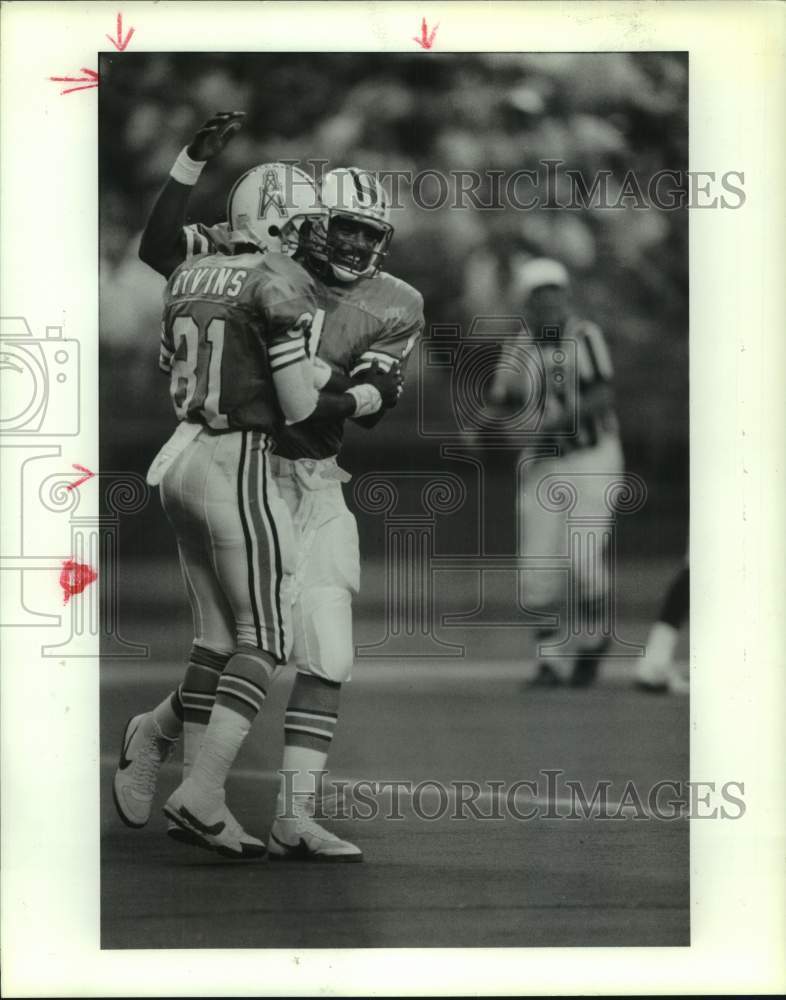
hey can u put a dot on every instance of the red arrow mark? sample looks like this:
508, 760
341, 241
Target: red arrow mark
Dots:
426, 39
74, 577
118, 42
90, 80
84, 479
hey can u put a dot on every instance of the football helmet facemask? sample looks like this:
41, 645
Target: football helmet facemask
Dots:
270, 203
353, 237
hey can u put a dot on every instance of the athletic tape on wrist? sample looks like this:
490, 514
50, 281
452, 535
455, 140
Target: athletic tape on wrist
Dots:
367, 399
185, 170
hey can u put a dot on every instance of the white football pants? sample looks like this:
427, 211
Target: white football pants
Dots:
327, 573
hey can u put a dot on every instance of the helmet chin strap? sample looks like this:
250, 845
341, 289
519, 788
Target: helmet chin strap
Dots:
343, 274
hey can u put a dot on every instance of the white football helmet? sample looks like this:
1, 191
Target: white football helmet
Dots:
354, 237
270, 203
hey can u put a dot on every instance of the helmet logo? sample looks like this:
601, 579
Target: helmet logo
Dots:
271, 196
367, 192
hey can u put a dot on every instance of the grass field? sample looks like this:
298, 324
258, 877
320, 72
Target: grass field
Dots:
443, 883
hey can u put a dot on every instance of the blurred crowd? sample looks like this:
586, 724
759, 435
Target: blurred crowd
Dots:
505, 112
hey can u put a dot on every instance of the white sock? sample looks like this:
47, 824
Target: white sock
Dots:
661, 643
220, 745
299, 787
302, 760
193, 735
168, 722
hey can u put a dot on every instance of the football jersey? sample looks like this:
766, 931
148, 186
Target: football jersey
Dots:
198, 239
371, 319
572, 366
356, 323
594, 368
229, 321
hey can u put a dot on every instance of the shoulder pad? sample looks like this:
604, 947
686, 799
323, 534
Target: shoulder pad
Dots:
279, 273
400, 296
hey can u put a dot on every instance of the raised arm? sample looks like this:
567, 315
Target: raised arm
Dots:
163, 246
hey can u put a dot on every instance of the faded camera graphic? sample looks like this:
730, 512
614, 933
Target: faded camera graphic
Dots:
504, 383
40, 380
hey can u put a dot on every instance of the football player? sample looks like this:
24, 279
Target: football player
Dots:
367, 324
233, 343
542, 286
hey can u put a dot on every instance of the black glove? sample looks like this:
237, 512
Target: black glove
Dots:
388, 384
217, 131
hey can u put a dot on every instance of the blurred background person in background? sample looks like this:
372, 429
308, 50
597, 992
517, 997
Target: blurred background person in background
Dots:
657, 671
577, 435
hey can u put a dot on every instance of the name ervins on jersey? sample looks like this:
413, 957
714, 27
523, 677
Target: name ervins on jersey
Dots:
226, 281
209, 281
221, 316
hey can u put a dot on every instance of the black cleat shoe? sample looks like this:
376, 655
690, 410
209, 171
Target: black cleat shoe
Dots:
585, 673
585, 668
546, 677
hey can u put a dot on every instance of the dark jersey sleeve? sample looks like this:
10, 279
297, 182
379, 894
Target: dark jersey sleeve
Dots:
199, 239
166, 241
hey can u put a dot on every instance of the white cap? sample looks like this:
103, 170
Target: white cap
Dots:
538, 272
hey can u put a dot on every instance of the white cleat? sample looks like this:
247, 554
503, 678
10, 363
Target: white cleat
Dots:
142, 752
298, 837
208, 823
678, 684
660, 677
